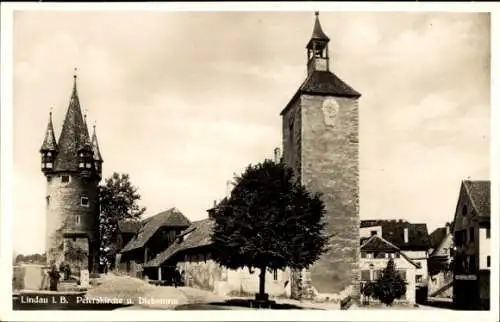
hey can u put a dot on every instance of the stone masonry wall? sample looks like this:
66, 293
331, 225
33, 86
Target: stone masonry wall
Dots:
292, 123
292, 136
63, 205
330, 165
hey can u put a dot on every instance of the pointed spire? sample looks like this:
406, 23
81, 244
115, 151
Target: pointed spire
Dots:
74, 94
74, 134
49, 142
95, 147
318, 33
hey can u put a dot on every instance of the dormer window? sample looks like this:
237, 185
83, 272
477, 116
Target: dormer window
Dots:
464, 211
49, 165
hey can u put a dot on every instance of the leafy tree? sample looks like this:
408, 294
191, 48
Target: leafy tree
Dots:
390, 285
269, 222
31, 258
118, 201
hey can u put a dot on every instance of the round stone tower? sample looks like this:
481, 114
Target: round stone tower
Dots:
72, 167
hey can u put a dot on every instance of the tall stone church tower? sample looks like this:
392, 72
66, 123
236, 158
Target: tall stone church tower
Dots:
320, 143
72, 167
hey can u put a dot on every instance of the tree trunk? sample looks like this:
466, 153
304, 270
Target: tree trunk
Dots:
262, 281
262, 296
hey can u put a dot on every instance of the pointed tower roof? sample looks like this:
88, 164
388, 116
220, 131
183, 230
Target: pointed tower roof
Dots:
322, 82
74, 135
318, 33
49, 143
95, 147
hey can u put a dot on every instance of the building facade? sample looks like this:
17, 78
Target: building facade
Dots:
471, 236
440, 263
320, 143
191, 255
154, 235
375, 255
412, 239
72, 167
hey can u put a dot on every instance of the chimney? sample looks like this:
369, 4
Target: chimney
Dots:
277, 155
406, 235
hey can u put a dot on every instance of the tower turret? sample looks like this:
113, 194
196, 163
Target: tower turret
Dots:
49, 148
317, 49
96, 154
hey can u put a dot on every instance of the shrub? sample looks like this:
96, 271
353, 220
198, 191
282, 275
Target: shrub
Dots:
390, 285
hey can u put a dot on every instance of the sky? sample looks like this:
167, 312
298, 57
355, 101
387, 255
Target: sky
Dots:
183, 100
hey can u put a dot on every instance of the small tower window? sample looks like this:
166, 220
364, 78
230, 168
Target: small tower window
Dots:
65, 179
84, 202
81, 165
49, 165
77, 220
464, 211
49, 154
48, 200
88, 165
275, 274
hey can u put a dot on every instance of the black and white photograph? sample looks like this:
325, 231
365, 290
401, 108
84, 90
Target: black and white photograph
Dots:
264, 161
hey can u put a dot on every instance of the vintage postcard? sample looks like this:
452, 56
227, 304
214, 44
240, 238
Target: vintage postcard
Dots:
284, 162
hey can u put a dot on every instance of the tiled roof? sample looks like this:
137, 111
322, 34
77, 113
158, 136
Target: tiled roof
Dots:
129, 226
437, 236
318, 33
74, 135
479, 192
169, 218
197, 235
323, 83
49, 142
376, 243
326, 82
393, 231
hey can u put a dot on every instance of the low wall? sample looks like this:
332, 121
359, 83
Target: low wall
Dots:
29, 277
208, 275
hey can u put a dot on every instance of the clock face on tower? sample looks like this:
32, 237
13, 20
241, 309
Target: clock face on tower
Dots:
330, 110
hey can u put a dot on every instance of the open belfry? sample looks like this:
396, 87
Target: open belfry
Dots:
72, 167
320, 143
